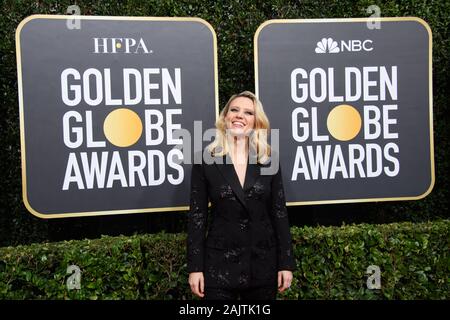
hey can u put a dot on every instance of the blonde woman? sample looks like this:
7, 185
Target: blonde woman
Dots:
244, 250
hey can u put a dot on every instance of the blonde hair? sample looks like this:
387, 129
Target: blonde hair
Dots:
257, 139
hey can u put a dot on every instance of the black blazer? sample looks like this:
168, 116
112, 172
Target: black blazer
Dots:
247, 240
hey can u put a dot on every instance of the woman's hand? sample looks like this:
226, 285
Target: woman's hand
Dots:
197, 283
284, 280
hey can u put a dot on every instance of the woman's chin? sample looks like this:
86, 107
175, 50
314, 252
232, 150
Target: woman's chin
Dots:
237, 132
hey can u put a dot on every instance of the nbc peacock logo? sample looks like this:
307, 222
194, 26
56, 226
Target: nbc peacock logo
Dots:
327, 45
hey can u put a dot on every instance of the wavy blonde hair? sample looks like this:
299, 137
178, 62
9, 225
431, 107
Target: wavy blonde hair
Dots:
258, 137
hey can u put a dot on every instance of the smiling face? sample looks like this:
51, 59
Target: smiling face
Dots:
240, 118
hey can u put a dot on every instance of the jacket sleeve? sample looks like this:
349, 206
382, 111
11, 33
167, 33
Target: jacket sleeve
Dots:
197, 218
280, 222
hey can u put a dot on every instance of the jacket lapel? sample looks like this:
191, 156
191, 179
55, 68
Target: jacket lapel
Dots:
252, 173
229, 173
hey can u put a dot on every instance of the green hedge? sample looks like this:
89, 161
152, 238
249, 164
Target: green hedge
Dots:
331, 261
235, 23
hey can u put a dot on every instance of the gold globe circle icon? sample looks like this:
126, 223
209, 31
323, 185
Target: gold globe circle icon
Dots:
344, 122
122, 127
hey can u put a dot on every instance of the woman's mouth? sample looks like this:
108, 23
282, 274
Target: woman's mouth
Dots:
238, 124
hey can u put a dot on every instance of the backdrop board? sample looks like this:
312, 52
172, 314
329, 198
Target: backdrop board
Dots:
100, 100
352, 99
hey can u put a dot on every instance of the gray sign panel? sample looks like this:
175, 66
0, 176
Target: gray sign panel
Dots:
353, 103
100, 99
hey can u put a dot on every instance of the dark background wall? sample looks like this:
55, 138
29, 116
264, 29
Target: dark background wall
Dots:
235, 23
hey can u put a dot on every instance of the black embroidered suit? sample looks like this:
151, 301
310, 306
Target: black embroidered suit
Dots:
247, 239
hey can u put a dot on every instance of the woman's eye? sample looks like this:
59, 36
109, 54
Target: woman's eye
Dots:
249, 113
234, 109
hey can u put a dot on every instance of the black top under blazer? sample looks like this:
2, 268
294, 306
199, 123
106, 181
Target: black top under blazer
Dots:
247, 239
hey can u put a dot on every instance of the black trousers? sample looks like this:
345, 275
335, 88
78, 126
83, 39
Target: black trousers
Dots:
256, 293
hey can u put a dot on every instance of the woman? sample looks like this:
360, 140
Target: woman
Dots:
245, 251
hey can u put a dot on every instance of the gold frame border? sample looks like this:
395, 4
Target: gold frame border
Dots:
21, 112
430, 93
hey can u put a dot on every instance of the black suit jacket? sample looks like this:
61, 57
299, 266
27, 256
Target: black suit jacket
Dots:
247, 239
